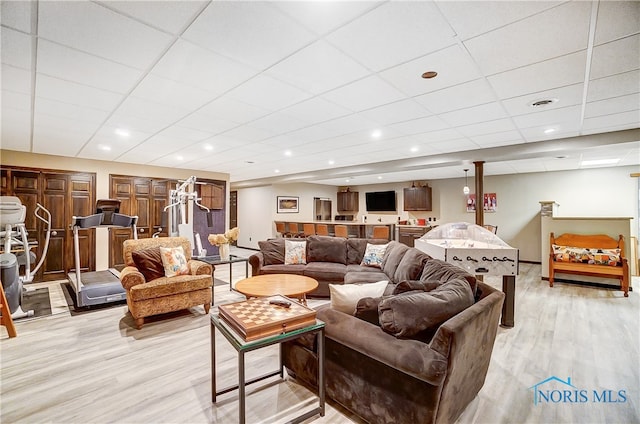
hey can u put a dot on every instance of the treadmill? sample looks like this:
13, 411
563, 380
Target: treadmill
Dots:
99, 287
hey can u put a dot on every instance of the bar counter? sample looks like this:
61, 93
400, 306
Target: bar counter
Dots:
356, 229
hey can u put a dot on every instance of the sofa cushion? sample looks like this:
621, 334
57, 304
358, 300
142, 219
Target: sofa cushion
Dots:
325, 271
174, 261
344, 298
392, 259
412, 285
367, 309
439, 270
327, 249
411, 265
168, 286
149, 263
374, 255
371, 276
410, 313
283, 269
295, 252
356, 248
272, 251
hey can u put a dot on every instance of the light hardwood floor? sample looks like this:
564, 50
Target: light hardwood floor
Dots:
96, 368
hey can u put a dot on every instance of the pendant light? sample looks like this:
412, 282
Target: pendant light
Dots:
465, 189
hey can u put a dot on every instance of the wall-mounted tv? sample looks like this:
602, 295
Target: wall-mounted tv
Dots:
381, 201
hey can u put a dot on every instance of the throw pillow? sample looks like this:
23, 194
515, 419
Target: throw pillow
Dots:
272, 251
410, 285
374, 255
345, 297
367, 309
295, 252
149, 263
411, 313
174, 261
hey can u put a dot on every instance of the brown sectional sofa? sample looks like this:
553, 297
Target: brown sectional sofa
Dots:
376, 364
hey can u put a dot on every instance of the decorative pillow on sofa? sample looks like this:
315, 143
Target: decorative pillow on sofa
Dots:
374, 255
295, 252
272, 251
149, 263
411, 313
439, 270
367, 309
345, 297
174, 261
411, 285
586, 255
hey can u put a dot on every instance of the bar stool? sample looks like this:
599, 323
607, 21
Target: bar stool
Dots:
322, 229
492, 228
281, 230
308, 230
381, 232
294, 230
341, 231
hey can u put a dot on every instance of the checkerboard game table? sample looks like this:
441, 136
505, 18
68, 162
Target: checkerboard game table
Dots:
251, 313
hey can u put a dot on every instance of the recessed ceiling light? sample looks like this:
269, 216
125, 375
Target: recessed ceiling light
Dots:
542, 102
104, 147
122, 132
180, 157
595, 162
376, 134
288, 153
379, 177
414, 149
208, 147
429, 74
276, 171
347, 180
331, 162
549, 130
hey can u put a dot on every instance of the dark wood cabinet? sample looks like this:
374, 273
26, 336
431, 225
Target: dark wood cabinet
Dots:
212, 195
65, 194
348, 201
408, 235
417, 198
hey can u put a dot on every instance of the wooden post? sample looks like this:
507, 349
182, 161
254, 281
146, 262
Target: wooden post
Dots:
479, 178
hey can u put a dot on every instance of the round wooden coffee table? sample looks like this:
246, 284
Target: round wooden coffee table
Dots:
290, 285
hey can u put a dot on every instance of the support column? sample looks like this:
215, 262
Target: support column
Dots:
479, 179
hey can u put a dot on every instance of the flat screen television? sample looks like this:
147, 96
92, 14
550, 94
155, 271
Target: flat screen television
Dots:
381, 201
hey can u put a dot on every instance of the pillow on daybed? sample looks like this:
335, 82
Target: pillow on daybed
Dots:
344, 297
411, 313
587, 255
149, 263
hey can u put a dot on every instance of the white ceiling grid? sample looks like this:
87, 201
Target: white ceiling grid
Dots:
230, 86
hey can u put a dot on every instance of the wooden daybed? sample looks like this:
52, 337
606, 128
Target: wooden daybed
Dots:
593, 255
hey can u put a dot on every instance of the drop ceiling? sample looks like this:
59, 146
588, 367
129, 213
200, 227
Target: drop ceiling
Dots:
324, 91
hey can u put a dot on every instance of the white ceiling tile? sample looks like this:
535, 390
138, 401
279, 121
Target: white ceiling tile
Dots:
604, 107
15, 100
560, 164
145, 109
558, 72
393, 33
475, 114
56, 142
183, 136
452, 64
16, 129
133, 123
538, 133
487, 127
533, 39
616, 57
268, 93
77, 94
254, 33
94, 29
550, 118
324, 16
317, 68
248, 134
471, 18
316, 110
346, 125
229, 109
17, 14
278, 122
69, 111
420, 125
614, 86
15, 48
616, 19
171, 16
460, 96
404, 110
98, 149
458, 145
567, 96
192, 65
16, 79
69, 64
108, 136
630, 119
169, 92
364, 94
504, 138
433, 136
202, 122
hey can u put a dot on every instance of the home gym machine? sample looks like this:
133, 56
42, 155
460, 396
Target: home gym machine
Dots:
17, 250
99, 287
176, 211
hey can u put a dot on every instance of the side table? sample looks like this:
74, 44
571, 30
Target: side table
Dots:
217, 260
243, 347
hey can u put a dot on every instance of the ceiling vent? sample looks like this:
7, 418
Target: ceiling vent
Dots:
542, 102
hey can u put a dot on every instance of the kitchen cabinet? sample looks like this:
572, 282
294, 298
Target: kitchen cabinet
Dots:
348, 201
417, 198
408, 235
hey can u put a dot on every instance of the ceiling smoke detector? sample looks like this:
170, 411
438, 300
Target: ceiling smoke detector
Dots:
542, 102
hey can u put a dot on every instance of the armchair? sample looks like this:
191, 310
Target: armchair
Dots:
164, 294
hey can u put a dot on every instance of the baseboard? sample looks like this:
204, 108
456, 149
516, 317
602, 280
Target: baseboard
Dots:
248, 248
586, 283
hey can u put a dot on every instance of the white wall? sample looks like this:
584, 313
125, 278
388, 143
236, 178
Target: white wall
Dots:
600, 192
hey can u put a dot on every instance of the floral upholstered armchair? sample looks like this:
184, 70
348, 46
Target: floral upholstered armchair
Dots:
161, 277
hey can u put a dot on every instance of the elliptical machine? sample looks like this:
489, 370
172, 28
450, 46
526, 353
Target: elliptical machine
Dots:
16, 250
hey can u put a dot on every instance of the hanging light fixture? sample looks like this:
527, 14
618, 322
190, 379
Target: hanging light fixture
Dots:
465, 189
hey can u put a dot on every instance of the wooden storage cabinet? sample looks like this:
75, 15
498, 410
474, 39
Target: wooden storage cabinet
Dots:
348, 201
417, 198
408, 235
212, 195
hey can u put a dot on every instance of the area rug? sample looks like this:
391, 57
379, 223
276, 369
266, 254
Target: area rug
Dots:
37, 300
